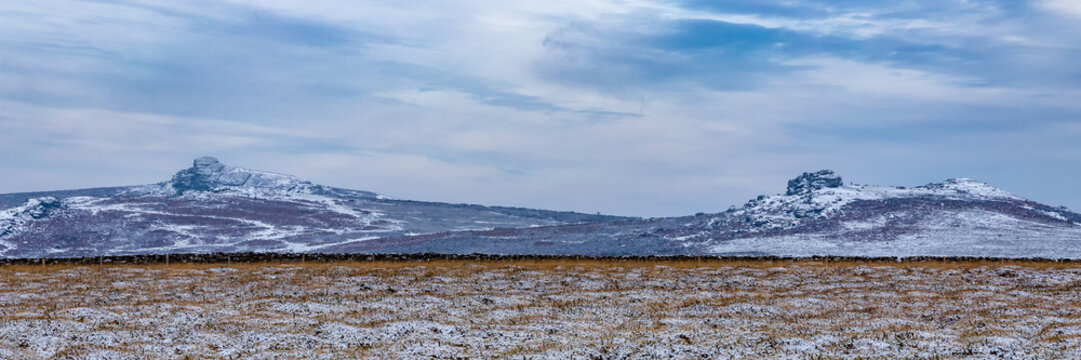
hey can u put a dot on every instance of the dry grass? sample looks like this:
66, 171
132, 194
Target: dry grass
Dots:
543, 309
563, 263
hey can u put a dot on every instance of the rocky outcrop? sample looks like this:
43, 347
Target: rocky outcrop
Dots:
813, 181
36, 208
42, 207
205, 174
208, 174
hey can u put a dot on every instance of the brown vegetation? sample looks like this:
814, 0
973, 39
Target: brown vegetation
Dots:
555, 308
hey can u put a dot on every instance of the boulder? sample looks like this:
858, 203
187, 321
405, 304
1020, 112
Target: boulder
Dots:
207, 174
813, 181
203, 175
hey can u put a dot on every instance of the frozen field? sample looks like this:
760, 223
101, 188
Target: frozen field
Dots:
547, 309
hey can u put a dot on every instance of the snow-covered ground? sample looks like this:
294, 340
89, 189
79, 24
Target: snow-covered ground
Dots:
957, 233
781, 211
552, 309
212, 207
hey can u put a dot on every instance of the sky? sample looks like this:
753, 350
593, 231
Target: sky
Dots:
638, 107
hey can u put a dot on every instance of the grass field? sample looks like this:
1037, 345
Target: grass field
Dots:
543, 309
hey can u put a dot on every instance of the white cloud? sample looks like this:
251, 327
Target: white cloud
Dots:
1063, 7
443, 101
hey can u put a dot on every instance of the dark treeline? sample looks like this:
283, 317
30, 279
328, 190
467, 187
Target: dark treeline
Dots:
252, 257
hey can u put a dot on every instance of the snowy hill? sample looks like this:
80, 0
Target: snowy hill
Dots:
961, 217
212, 207
817, 215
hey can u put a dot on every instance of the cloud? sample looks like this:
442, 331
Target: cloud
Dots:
642, 107
1063, 7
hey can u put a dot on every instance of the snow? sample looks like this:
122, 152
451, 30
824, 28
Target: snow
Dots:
1054, 215
964, 233
9, 214
971, 188
208, 178
95, 205
195, 238
779, 212
872, 223
483, 310
295, 247
6, 246
831, 200
11, 220
248, 210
